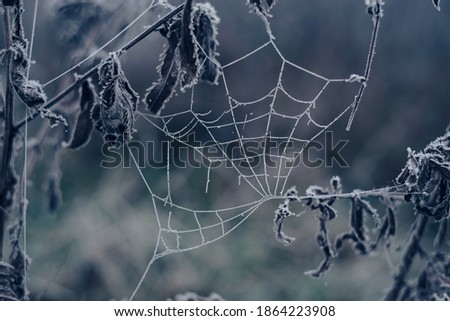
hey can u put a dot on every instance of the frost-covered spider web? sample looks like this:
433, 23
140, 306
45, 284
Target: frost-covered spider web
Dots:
214, 155
236, 137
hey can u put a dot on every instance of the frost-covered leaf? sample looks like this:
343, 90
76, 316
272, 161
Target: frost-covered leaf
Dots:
198, 43
114, 112
437, 3
54, 119
162, 91
324, 244
280, 215
375, 7
29, 91
189, 55
189, 65
205, 29
84, 124
426, 177
261, 7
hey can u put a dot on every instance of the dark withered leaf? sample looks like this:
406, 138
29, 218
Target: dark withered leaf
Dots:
324, 245
198, 44
369, 209
392, 222
189, 55
336, 185
84, 124
437, 5
356, 219
54, 118
357, 235
114, 113
426, 178
162, 91
19, 260
257, 4
280, 215
189, 64
375, 8
29, 91
205, 29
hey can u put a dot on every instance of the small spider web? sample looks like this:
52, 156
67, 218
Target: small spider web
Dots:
240, 138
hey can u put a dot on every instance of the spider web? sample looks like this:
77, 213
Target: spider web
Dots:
250, 138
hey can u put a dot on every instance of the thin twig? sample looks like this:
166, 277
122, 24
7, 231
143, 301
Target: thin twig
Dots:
94, 69
370, 56
8, 138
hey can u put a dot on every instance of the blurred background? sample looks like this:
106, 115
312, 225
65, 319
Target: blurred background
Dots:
97, 243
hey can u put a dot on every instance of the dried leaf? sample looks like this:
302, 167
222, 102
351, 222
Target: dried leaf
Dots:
84, 124
436, 3
189, 55
426, 177
189, 65
29, 91
114, 113
259, 7
19, 260
324, 244
356, 219
280, 215
162, 91
205, 30
392, 222
374, 7
54, 118
197, 48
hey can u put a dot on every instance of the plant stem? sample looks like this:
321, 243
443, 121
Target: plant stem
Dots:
8, 138
369, 62
412, 249
94, 69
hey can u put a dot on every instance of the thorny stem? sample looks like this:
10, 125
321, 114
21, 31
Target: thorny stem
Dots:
94, 69
8, 138
412, 249
370, 56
